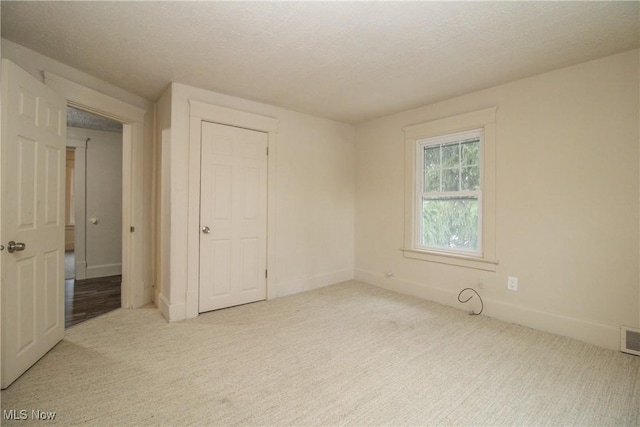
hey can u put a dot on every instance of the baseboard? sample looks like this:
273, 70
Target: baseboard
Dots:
145, 298
584, 330
163, 306
103, 270
313, 282
171, 312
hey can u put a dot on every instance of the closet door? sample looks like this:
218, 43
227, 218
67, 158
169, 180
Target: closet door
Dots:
233, 216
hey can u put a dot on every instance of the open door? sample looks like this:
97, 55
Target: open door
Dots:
32, 220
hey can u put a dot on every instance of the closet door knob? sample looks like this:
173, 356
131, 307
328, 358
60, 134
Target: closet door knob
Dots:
206, 230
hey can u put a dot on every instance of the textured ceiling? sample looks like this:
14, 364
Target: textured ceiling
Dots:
82, 119
349, 61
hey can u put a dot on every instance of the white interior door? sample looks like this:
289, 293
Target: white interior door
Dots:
233, 216
33, 174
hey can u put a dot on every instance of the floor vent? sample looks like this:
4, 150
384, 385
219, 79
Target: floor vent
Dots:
630, 340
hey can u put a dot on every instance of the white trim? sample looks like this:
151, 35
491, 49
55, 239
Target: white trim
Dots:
93, 101
462, 260
421, 193
171, 312
104, 270
231, 117
453, 124
307, 284
200, 111
76, 143
134, 292
599, 334
163, 214
478, 120
163, 306
80, 186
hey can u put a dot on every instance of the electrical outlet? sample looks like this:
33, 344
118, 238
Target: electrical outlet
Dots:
512, 283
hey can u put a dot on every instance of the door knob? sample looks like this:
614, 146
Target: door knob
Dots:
13, 246
206, 230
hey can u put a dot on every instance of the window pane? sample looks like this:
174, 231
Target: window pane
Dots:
470, 153
432, 157
432, 180
450, 223
470, 178
450, 180
451, 155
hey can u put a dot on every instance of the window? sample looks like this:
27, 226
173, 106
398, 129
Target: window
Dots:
449, 196
450, 190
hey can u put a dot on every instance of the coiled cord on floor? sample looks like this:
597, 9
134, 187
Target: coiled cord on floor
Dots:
473, 313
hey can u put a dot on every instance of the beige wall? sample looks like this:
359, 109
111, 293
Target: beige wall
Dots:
315, 197
103, 201
316, 203
566, 208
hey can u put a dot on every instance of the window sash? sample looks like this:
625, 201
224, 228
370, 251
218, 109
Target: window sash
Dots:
419, 221
421, 195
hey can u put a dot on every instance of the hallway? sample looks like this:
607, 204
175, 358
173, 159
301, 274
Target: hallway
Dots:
86, 299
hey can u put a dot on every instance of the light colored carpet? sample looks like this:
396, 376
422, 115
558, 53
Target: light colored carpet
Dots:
348, 354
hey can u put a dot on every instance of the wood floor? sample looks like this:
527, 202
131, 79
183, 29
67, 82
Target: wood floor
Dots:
86, 299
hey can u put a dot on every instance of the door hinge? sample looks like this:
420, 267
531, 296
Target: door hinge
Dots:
267, 151
266, 273
132, 229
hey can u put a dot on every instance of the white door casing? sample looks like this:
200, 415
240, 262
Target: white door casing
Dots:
79, 206
33, 156
173, 305
136, 289
233, 213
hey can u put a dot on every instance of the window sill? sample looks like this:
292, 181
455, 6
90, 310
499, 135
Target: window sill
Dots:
452, 259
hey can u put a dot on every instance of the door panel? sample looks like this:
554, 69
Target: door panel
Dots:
222, 191
249, 264
33, 148
26, 180
53, 178
221, 271
52, 265
233, 205
26, 282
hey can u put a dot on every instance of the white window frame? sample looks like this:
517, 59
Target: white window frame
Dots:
420, 193
415, 136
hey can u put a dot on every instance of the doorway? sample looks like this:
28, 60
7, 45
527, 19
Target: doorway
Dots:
93, 216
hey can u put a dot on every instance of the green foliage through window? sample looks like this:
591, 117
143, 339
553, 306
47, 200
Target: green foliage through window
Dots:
450, 223
451, 192
452, 167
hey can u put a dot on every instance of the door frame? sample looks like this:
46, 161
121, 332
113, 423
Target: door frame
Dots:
134, 293
79, 204
199, 112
